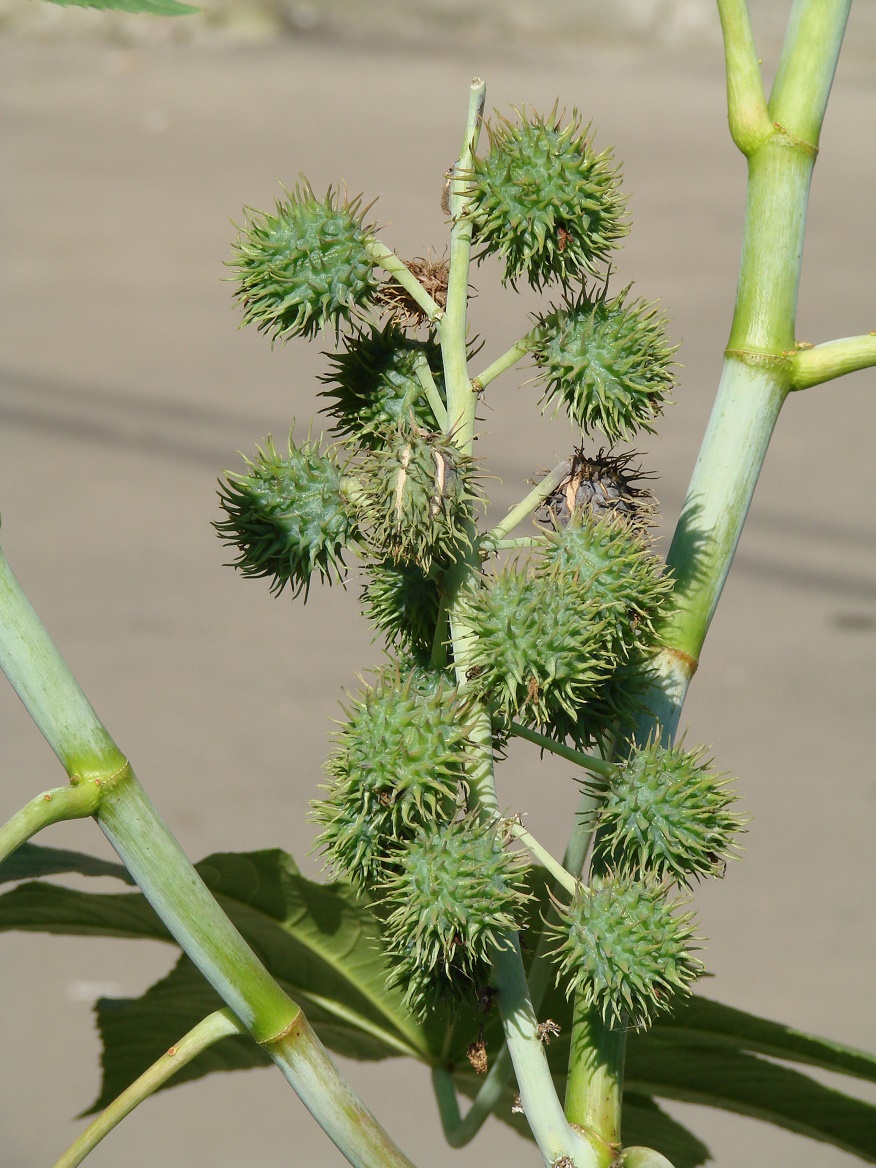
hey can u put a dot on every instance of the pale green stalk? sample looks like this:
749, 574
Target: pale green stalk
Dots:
544, 857
761, 353
594, 1089
73, 802
521, 543
218, 1025
530, 502
461, 398
781, 147
590, 762
173, 887
746, 104
502, 364
401, 273
430, 389
814, 366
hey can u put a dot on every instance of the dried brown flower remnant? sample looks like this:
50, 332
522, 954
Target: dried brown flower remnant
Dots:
477, 1056
605, 485
547, 1030
433, 274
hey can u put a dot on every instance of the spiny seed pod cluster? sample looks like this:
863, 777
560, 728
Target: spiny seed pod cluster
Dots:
307, 267
398, 766
625, 949
416, 494
545, 201
666, 812
288, 516
454, 894
373, 383
608, 362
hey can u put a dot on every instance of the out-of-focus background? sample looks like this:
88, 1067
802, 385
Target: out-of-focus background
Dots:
129, 145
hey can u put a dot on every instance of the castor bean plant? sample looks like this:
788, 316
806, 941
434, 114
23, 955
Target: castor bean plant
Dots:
554, 992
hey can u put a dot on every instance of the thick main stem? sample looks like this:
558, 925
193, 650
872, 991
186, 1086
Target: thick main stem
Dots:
173, 887
594, 1089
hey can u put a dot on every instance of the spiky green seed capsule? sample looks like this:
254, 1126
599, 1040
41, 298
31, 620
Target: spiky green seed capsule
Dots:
545, 201
608, 362
306, 267
617, 701
621, 946
455, 892
398, 765
541, 644
374, 385
288, 516
617, 568
666, 812
401, 601
416, 495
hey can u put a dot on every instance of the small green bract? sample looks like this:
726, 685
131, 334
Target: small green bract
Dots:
288, 516
398, 765
621, 947
666, 812
545, 201
455, 892
608, 362
374, 384
305, 268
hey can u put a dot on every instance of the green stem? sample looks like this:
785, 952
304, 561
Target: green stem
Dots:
588, 761
555, 1138
403, 276
461, 399
833, 359
759, 366
746, 105
43, 681
531, 502
174, 888
807, 67
502, 364
594, 1090
430, 389
218, 1025
73, 802
556, 869
489, 546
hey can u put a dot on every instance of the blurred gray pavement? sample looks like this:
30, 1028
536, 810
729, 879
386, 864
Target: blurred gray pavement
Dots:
126, 388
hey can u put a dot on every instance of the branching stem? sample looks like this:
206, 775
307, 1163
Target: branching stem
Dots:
218, 1025
746, 104
589, 762
531, 502
502, 364
73, 802
430, 389
833, 359
403, 276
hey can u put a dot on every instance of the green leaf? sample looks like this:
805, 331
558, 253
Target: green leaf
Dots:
321, 942
318, 940
152, 7
31, 861
750, 1085
705, 1022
